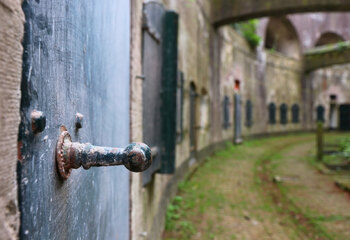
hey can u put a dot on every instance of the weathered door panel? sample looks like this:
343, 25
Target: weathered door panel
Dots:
238, 119
160, 85
152, 85
76, 59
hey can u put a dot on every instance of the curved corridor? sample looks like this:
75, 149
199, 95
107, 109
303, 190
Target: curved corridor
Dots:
264, 189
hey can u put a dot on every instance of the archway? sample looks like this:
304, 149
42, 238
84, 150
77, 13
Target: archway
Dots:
328, 38
282, 37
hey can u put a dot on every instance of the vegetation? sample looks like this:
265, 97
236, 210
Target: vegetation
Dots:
247, 29
345, 147
338, 151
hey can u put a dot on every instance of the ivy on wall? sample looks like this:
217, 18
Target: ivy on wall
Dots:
247, 29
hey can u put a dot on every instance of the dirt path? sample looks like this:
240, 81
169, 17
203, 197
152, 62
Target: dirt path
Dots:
232, 196
313, 193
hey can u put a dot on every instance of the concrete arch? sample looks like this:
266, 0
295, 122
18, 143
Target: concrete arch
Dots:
327, 56
282, 37
227, 11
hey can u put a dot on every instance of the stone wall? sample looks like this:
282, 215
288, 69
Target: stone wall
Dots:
11, 33
323, 84
265, 77
136, 114
211, 60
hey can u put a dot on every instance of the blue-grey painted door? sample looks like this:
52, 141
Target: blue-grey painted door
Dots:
238, 119
76, 59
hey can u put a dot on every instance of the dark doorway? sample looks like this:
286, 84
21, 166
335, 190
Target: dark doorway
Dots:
344, 115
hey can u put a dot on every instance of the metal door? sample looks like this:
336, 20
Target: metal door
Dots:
76, 59
238, 119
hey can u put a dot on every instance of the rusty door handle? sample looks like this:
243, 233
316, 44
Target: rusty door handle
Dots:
136, 157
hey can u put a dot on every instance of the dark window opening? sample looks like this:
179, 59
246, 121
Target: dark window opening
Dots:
283, 114
237, 85
272, 113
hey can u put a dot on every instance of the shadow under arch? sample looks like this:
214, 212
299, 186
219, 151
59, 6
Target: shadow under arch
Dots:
329, 38
281, 36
